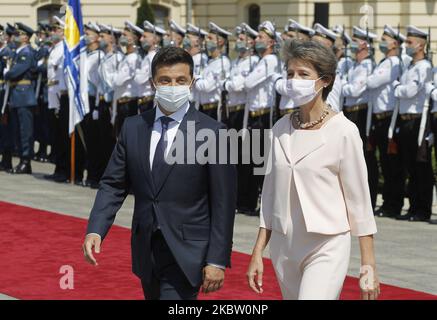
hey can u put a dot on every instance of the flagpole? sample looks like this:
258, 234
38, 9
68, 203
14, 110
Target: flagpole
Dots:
75, 65
73, 156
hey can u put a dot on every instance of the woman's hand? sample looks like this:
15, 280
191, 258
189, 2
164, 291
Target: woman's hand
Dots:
255, 272
369, 282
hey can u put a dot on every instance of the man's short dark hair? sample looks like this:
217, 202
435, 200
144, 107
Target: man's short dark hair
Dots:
170, 56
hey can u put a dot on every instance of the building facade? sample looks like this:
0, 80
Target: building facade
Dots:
229, 13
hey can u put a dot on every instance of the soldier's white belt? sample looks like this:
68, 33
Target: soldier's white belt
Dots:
236, 108
410, 116
259, 112
356, 108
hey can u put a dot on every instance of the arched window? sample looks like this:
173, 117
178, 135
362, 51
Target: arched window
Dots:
45, 14
162, 15
254, 16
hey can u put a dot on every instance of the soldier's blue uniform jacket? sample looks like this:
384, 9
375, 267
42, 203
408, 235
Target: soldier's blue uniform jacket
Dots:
21, 77
5, 54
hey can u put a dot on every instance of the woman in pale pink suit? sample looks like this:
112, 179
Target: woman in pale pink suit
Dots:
316, 194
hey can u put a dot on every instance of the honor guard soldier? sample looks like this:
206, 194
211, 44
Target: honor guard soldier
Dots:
261, 99
210, 83
107, 72
89, 124
6, 124
6, 140
150, 42
432, 92
193, 43
176, 35
22, 95
354, 88
297, 31
413, 132
241, 67
383, 102
42, 117
345, 62
59, 105
11, 31
126, 89
327, 38
356, 93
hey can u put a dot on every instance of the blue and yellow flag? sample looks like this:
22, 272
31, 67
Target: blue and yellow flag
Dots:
75, 57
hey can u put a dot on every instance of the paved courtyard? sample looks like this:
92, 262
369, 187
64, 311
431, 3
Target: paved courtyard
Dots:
406, 251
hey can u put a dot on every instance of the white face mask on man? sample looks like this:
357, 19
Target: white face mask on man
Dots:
302, 91
172, 98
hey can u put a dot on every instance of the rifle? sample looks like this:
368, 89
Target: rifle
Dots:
392, 147
346, 55
7, 89
369, 104
202, 49
274, 109
223, 94
424, 123
247, 47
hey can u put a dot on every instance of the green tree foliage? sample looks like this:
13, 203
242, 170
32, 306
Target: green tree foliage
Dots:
145, 12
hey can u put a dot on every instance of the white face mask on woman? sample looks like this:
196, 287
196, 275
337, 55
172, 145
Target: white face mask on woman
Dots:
172, 98
302, 91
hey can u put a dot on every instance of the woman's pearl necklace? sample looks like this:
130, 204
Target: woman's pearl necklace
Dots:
311, 124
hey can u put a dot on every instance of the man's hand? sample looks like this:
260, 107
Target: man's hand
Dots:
91, 240
213, 279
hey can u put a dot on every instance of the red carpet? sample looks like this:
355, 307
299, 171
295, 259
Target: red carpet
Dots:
34, 244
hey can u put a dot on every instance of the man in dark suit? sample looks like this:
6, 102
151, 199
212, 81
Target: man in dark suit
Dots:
184, 212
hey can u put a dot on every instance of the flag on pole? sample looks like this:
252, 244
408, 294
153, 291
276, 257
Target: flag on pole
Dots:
75, 57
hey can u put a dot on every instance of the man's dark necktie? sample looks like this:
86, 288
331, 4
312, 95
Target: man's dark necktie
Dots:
159, 158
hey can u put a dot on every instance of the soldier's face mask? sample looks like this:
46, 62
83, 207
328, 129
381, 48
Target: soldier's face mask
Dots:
240, 46
168, 43
354, 47
124, 41
411, 51
17, 41
260, 47
383, 47
211, 46
186, 44
103, 44
55, 38
145, 45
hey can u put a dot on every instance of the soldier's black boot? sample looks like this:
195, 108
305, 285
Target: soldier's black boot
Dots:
23, 167
6, 163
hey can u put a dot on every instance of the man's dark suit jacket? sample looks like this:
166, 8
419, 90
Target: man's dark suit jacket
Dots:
194, 203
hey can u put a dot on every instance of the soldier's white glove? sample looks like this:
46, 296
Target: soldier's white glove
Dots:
276, 76
429, 87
